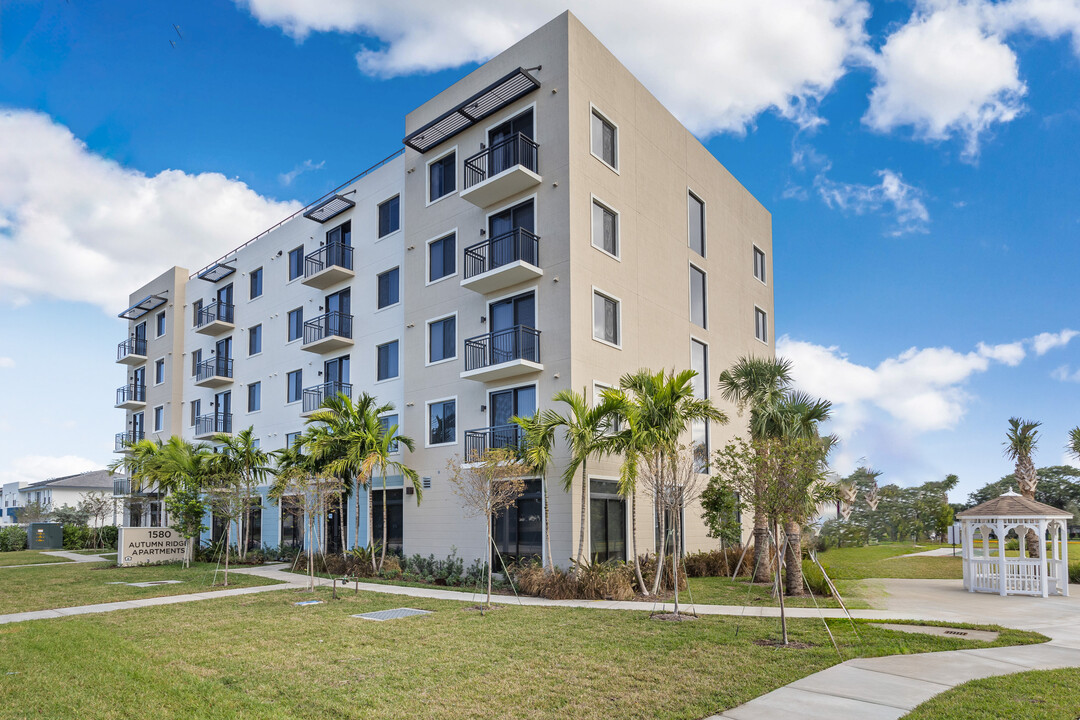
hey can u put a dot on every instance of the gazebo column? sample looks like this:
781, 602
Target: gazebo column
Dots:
967, 551
1063, 544
1000, 532
1044, 566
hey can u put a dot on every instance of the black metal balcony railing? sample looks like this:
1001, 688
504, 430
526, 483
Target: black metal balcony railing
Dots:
331, 324
478, 442
218, 422
214, 367
516, 343
121, 487
130, 393
517, 149
518, 244
132, 346
213, 312
314, 396
129, 438
330, 255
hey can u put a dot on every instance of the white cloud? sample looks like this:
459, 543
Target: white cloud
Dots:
32, 468
1047, 341
77, 226
306, 166
715, 65
1065, 374
1011, 354
902, 200
6, 363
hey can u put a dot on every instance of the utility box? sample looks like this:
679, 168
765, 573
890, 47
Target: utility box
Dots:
45, 536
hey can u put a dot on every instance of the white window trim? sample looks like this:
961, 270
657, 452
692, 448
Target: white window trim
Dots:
427, 422
164, 324
506, 117
288, 322
163, 373
427, 178
626, 512
618, 228
758, 309
303, 254
592, 310
764, 265
708, 353
690, 295
388, 413
261, 338
427, 340
158, 429
427, 257
598, 385
259, 383
704, 222
262, 291
399, 224
195, 367
391, 305
606, 118
294, 402
375, 370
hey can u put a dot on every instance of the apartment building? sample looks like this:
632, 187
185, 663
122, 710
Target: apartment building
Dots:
548, 225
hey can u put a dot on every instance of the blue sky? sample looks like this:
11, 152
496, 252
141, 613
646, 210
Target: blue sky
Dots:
919, 160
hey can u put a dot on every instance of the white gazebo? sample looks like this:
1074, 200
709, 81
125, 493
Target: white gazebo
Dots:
987, 569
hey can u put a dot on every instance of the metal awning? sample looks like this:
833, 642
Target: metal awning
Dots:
148, 303
329, 208
217, 271
489, 100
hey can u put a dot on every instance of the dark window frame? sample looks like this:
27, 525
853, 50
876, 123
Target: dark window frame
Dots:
291, 386
393, 288
391, 223
452, 319
379, 376
296, 263
255, 288
439, 166
448, 251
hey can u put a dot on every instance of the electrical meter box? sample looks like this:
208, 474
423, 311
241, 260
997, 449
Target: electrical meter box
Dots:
45, 536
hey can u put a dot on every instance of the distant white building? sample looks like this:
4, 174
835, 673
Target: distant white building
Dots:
9, 492
55, 493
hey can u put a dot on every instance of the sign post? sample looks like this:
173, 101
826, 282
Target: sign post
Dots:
144, 545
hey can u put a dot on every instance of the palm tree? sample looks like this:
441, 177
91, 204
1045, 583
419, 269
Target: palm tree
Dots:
240, 455
758, 384
1020, 443
656, 408
537, 439
1073, 446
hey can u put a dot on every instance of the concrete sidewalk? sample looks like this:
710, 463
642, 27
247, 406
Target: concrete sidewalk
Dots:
76, 557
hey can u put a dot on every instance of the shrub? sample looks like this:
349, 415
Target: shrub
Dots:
814, 578
77, 537
648, 572
1074, 573
12, 538
534, 579
109, 534
599, 581
713, 563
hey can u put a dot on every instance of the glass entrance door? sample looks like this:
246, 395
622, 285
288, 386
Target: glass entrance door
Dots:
504, 405
504, 151
506, 230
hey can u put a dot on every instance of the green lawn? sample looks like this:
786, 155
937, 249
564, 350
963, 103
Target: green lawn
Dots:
44, 588
725, 591
261, 656
108, 552
27, 557
884, 561
1036, 695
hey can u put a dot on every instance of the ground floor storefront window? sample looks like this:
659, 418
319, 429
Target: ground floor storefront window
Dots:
519, 531
395, 519
607, 521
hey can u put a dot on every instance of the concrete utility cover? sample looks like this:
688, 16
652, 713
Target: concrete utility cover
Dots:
152, 583
304, 603
394, 614
958, 633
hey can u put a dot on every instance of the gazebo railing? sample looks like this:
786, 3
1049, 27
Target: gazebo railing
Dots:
1023, 577
984, 575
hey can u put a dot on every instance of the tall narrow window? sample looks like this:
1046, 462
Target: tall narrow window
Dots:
196, 410
441, 180
159, 418
389, 216
196, 360
759, 265
161, 323
291, 438
698, 297
442, 339
761, 325
294, 386
605, 229
388, 288
159, 371
607, 520
255, 397
605, 318
441, 254
699, 431
385, 423
256, 283
196, 308
387, 361
696, 211
296, 262
442, 421
296, 324
255, 340
604, 140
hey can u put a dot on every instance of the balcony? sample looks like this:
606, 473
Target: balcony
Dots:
329, 265
502, 261
121, 486
314, 396
207, 426
125, 440
506, 168
478, 442
328, 332
131, 397
132, 351
502, 354
215, 319
214, 372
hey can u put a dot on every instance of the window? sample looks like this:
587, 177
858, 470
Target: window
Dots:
389, 217
442, 339
759, 265
388, 288
395, 518
159, 418
159, 371
387, 361
518, 531
698, 297
292, 522
607, 520
296, 262
255, 397
296, 324
441, 257
196, 308
291, 438
294, 389
605, 229
441, 181
605, 318
387, 422
196, 410
598, 396
196, 360
441, 422
761, 325
696, 210
699, 431
604, 140
160, 325
255, 340
256, 283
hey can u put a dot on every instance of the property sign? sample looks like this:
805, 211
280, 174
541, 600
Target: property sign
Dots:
142, 545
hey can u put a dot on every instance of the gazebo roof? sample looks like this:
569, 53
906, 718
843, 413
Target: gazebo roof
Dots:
1012, 505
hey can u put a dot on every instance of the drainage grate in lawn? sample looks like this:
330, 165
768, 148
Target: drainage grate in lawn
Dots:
394, 614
